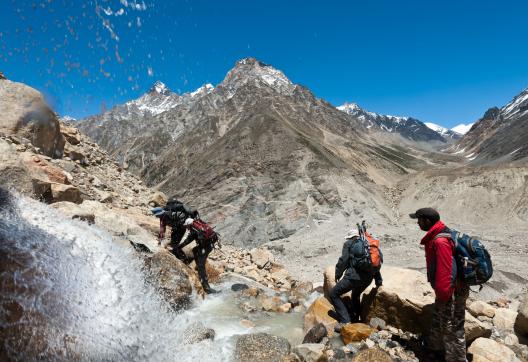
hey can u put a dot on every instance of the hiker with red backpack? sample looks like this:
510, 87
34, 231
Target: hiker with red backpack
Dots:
454, 262
360, 262
205, 238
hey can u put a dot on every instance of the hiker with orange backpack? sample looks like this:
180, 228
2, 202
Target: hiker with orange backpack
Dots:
360, 262
205, 237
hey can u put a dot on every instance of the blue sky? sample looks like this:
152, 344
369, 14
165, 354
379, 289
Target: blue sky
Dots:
439, 61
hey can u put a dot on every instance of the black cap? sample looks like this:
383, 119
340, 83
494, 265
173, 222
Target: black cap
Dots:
426, 213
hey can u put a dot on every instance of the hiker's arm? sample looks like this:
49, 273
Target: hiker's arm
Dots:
444, 274
189, 239
162, 229
342, 263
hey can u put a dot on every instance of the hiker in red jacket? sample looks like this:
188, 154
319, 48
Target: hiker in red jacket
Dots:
447, 330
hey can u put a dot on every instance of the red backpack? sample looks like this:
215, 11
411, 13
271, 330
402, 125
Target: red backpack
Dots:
204, 231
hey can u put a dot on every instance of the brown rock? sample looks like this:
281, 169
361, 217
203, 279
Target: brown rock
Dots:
355, 332
372, 355
75, 153
251, 292
404, 301
26, 114
261, 257
474, 328
318, 313
13, 171
480, 308
61, 192
158, 198
43, 170
70, 134
284, 308
302, 290
487, 350
270, 303
315, 334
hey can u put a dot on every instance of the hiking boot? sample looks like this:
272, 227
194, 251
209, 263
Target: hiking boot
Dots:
207, 288
338, 327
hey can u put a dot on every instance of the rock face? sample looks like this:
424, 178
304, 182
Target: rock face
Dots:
355, 332
317, 313
521, 323
487, 350
404, 301
261, 347
26, 114
171, 277
501, 134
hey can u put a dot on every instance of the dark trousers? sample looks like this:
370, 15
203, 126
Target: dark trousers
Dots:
176, 238
200, 256
344, 286
447, 329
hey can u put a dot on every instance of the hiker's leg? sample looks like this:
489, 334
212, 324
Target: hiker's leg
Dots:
356, 301
456, 341
176, 237
435, 340
342, 287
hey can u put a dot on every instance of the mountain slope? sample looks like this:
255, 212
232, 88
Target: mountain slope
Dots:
448, 134
500, 135
407, 127
262, 157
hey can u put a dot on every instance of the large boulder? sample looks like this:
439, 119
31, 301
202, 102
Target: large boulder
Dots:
487, 350
26, 114
13, 172
261, 347
261, 257
480, 308
70, 134
158, 198
318, 313
355, 332
521, 323
171, 278
197, 332
60, 192
315, 334
404, 301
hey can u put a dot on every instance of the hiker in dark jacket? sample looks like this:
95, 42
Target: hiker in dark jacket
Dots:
447, 329
355, 279
174, 215
204, 245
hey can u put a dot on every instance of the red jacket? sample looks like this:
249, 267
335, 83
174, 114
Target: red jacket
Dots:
441, 266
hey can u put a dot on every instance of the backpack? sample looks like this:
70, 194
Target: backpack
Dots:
473, 261
204, 231
372, 258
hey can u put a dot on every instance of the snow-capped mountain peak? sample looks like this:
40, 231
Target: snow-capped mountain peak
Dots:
462, 128
160, 88
206, 88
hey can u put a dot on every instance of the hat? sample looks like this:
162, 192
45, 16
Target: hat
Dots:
188, 221
352, 233
158, 211
426, 213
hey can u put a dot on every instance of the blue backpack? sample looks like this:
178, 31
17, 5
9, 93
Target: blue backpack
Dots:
472, 259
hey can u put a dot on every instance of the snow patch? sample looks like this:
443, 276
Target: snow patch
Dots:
462, 128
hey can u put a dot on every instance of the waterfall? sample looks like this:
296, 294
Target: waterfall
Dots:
71, 292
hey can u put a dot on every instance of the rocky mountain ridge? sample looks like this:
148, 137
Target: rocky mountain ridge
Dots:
501, 135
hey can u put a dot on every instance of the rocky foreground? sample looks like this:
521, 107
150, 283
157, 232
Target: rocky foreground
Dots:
50, 161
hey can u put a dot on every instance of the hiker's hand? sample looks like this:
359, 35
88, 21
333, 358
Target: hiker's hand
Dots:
378, 284
336, 279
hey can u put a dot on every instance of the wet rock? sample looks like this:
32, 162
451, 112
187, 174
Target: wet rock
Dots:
511, 340
171, 278
488, 350
480, 308
60, 192
197, 332
475, 329
355, 332
261, 347
237, 287
372, 355
318, 313
251, 292
158, 198
404, 301
292, 357
377, 323
270, 304
284, 308
311, 352
246, 323
261, 257
521, 323
315, 334
74, 211
302, 290
26, 115
504, 319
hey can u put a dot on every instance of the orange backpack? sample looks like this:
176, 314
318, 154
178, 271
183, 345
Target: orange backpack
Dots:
376, 258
